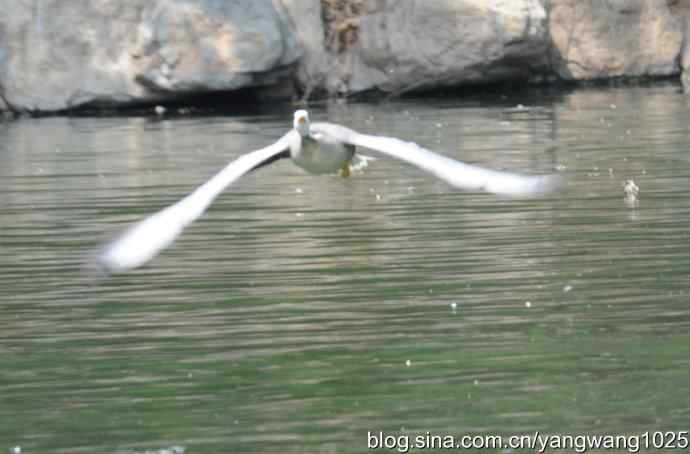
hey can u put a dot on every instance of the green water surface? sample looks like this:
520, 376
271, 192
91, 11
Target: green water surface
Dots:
302, 312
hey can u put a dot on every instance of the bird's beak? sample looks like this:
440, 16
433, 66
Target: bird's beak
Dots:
301, 120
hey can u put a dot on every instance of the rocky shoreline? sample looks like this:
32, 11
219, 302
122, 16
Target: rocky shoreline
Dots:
58, 55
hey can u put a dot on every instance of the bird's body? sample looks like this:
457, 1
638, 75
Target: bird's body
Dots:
319, 154
318, 148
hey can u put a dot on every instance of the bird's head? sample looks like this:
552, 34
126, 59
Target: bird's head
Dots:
301, 122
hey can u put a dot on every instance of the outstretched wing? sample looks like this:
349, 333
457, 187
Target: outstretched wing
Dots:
464, 176
145, 239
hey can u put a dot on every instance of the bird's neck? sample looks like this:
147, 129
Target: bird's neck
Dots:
302, 129
308, 140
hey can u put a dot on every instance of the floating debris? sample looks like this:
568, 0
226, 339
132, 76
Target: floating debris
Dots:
528, 304
567, 288
160, 110
454, 306
632, 192
408, 363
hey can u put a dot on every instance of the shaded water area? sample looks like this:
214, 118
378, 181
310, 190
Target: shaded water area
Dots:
301, 312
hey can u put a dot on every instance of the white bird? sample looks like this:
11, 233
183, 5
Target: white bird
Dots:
318, 148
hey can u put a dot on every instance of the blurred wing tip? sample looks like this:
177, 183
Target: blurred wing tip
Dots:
546, 185
555, 183
107, 264
97, 265
528, 186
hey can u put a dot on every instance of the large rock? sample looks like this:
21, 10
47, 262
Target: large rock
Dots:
603, 39
59, 54
417, 44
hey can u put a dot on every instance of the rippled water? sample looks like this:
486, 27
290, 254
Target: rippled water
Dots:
301, 312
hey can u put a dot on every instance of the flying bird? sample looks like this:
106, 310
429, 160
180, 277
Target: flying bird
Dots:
318, 148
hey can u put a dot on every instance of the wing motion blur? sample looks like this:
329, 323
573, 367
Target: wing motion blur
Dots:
145, 239
463, 176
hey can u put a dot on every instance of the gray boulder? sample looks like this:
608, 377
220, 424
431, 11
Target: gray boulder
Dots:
60, 54
418, 44
599, 40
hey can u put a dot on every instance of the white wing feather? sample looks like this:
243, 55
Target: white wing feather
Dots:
461, 175
145, 239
